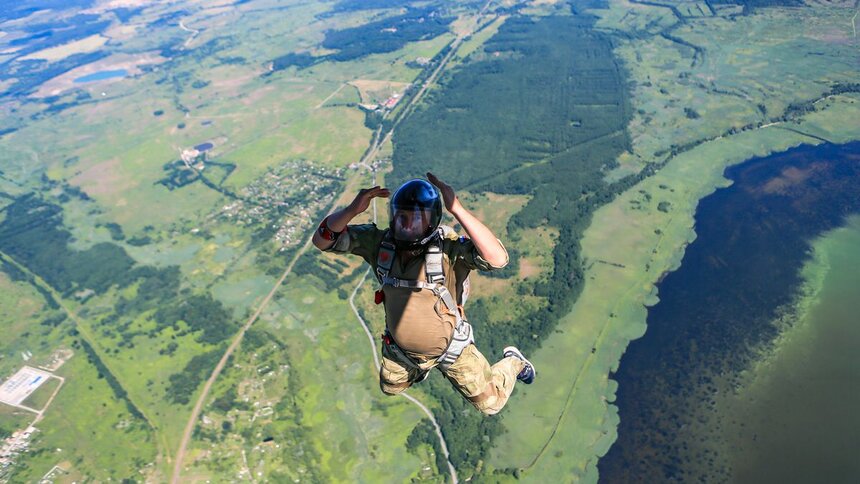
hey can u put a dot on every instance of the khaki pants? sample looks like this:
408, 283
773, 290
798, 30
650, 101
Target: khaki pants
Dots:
486, 387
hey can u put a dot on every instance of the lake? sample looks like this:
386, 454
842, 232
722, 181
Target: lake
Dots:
719, 389
101, 76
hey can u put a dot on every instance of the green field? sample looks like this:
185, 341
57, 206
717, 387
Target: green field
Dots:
13, 419
90, 427
38, 399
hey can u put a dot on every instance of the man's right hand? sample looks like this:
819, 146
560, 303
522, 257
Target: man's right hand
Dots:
337, 221
365, 195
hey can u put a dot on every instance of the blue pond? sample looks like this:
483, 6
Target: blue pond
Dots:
102, 75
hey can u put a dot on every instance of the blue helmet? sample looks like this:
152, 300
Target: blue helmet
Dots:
414, 213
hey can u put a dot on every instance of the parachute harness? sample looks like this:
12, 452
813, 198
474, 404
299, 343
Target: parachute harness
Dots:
435, 282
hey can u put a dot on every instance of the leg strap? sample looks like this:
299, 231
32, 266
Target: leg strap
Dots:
404, 358
463, 337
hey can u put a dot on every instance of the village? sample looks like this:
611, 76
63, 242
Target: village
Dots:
287, 200
13, 446
257, 405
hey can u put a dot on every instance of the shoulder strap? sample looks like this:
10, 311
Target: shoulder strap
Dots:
385, 257
433, 262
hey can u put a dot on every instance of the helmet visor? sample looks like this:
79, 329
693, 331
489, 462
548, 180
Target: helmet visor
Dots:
411, 224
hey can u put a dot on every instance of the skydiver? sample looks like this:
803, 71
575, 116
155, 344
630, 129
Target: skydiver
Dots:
423, 270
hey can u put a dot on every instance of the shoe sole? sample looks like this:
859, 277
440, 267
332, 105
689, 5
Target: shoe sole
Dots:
513, 349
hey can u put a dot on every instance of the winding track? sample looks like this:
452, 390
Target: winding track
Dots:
194, 33
375, 352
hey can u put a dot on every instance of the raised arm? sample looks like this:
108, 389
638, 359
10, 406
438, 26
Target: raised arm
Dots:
485, 241
337, 221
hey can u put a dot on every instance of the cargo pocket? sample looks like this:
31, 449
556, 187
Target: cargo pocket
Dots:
468, 373
393, 376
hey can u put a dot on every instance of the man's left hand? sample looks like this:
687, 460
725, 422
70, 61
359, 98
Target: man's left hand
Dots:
448, 195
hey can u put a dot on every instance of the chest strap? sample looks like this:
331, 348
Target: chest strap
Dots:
439, 290
433, 258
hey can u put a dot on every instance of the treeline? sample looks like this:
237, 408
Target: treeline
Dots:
111, 380
540, 110
800, 108
425, 433
792, 112
357, 5
382, 36
328, 273
386, 35
202, 313
300, 60
181, 386
33, 235
750, 5
16, 275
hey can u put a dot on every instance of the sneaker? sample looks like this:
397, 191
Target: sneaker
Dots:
527, 374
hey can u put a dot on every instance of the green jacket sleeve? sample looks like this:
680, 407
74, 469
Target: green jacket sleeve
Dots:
462, 249
361, 240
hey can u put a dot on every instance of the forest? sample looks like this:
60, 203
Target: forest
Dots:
379, 37
32, 233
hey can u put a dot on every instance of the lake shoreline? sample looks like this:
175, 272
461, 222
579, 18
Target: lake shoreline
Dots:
718, 310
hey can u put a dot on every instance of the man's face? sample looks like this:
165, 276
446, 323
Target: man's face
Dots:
411, 225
